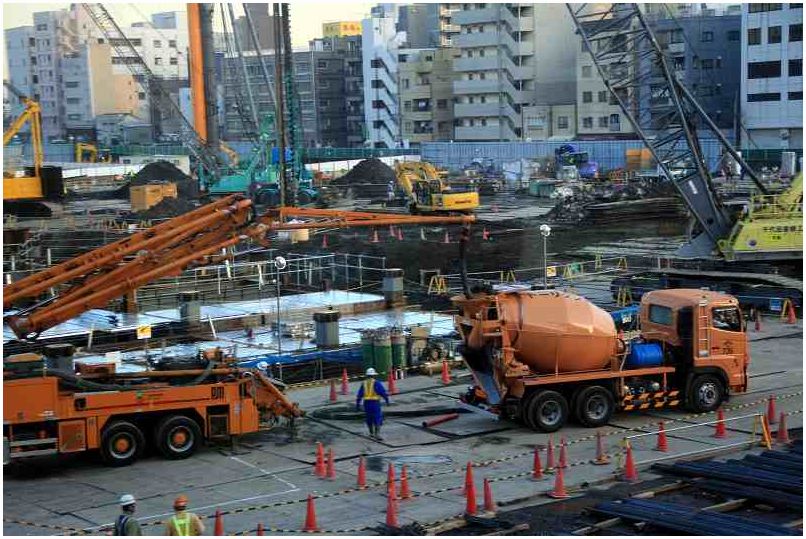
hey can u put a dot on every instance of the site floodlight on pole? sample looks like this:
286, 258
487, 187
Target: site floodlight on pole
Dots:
545, 231
279, 265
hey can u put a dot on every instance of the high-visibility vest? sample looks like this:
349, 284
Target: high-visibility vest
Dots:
182, 526
120, 525
369, 390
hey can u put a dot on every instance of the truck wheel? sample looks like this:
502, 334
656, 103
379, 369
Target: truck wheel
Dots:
547, 411
705, 393
177, 436
121, 443
594, 406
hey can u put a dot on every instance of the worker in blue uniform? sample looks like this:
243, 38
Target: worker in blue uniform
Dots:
371, 392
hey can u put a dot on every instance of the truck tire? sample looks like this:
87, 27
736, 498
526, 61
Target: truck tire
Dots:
547, 411
177, 436
121, 443
594, 406
705, 393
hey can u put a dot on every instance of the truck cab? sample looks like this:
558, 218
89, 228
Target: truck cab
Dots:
703, 335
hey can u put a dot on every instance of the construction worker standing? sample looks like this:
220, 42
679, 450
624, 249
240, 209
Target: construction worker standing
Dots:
371, 392
126, 524
183, 522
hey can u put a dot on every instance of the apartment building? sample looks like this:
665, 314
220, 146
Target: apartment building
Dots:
510, 56
262, 22
426, 94
20, 55
550, 122
421, 24
772, 75
448, 29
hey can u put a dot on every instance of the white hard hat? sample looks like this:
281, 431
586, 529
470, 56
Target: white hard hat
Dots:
371, 372
127, 499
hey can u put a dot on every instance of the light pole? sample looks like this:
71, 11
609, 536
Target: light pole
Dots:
279, 264
545, 230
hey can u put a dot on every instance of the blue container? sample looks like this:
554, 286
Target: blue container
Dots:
644, 355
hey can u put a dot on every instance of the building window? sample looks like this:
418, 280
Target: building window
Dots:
173, 61
481, 53
483, 122
442, 104
718, 63
587, 97
562, 122
71, 84
707, 63
603, 121
771, 96
760, 8
707, 36
796, 68
602, 96
407, 106
763, 70
615, 122
734, 35
795, 96
73, 100
470, 53
796, 32
157, 44
587, 71
42, 27
587, 122
705, 91
322, 64
679, 63
483, 99
157, 61
774, 34
754, 36
676, 36
172, 43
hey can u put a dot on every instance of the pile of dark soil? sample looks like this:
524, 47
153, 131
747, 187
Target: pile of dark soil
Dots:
368, 179
168, 207
160, 171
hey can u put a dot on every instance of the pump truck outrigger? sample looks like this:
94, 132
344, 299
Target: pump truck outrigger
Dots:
544, 356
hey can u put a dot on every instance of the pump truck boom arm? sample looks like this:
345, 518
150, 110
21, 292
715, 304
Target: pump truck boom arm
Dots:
197, 238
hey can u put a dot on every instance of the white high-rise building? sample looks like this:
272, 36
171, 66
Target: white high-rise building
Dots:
772, 75
20, 47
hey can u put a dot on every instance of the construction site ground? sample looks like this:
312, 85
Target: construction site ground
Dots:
265, 478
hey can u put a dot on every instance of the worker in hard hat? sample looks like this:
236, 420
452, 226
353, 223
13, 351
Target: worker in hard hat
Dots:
126, 524
183, 522
371, 392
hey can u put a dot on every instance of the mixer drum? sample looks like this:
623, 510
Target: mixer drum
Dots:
558, 332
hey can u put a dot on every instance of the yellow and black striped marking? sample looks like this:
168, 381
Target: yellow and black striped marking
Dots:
651, 400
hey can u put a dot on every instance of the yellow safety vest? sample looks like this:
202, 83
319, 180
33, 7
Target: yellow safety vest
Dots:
369, 390
182, 526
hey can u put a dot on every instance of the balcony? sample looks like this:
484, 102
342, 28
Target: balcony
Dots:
475, 87
485, 133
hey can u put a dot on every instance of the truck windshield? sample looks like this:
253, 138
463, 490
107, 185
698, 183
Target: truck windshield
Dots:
660, 315
726, 318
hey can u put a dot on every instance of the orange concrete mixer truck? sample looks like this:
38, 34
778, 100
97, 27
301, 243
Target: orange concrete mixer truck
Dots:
545, 356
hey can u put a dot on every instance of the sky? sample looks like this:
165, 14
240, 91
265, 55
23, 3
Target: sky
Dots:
306, 17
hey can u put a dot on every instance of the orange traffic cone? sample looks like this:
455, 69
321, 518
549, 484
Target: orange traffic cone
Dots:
392, 232
391, 507
630, 472
485, 235
559, 486
489, 502
447, 237
470, 491
719, 430
758, 319
374, 237
333, 396
331, 465
361, 482
324, 241
782, 436
405, 491
310, 517
663, 443
400, 233
390, 477
563, 456
790, 315
259, 531
468, 477
218, 529
345, 383
537, 468
771, 419
550, 455
319, 467
446, 375
601, 456
392, 385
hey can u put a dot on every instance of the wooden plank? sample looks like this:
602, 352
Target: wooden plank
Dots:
513, 529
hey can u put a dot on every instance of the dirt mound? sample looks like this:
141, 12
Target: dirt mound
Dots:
369, 178
158, 171
167, 207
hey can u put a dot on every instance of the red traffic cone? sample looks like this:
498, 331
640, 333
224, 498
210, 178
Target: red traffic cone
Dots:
259, 531
331, 465
468, 477
758, 319
324, 241
361, 482
489, 502
374, 237
719, 430
663, 443
559, 486
782, 436
218, 529
345, 383
319, 467
392, 384
630, 472
310, 517
392, 232
400, 233
790, 315
470, 491
391, 507
405, 491
771, 419
537, 468
333, 396
447, 237
446, 375
390, 477
563, 456
601, 456
485, 235
550, 455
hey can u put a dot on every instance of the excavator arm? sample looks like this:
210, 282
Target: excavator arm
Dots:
92, 280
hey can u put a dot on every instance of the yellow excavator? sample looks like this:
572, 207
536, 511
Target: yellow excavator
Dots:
89, 153
24, 191
428, 193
